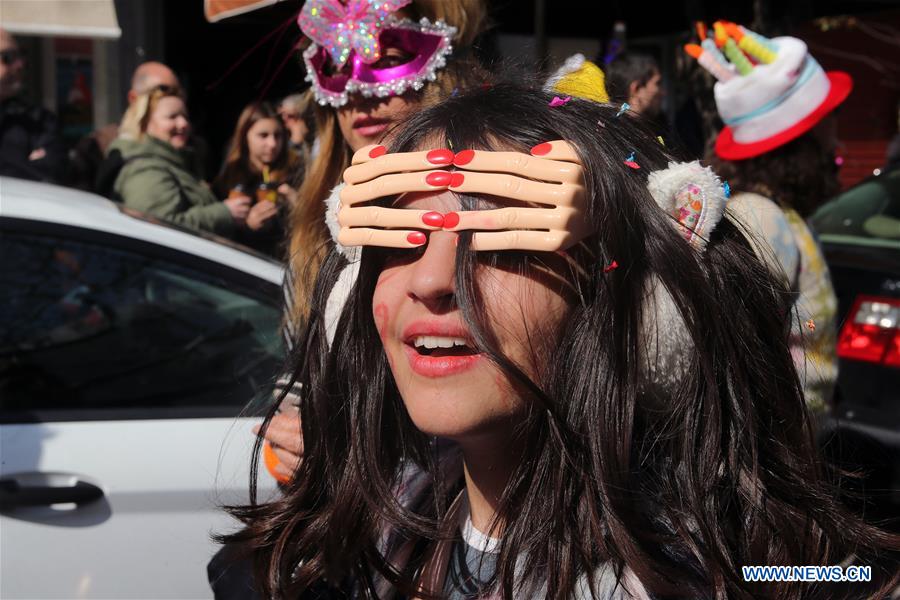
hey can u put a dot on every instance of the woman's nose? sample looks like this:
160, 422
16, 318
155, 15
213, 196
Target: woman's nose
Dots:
433, 273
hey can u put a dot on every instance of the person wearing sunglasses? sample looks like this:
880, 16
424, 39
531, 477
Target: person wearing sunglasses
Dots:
30, 146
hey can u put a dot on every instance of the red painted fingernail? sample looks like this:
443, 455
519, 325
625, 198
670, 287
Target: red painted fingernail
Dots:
441, 156
438, 179
456, 179
451, 220
416, 237
542, 149
433, 219
377, 151
463, 157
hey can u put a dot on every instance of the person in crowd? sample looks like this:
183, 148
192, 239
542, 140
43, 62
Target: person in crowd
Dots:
157, 177
779, 159
351, 118
635, 78
576, 77
97, 157
262, 168
148, 76
499, 240
30, 145
412, 70
296, 112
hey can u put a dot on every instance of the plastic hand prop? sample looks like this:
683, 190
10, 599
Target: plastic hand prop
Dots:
374, 174
551, 178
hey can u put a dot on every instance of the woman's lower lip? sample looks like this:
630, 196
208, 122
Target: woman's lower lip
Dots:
372, 130
439, 366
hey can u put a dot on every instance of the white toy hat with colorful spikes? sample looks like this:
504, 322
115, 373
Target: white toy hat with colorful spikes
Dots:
768, 92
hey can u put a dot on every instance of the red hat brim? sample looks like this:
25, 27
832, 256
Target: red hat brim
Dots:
728, 149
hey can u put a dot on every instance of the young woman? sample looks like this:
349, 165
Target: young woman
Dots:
426, 60
604, 350
420, 63
262, 168
158, 176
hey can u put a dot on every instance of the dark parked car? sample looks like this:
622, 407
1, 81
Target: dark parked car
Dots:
860, 234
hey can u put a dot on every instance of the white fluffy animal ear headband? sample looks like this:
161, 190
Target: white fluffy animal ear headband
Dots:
693, 195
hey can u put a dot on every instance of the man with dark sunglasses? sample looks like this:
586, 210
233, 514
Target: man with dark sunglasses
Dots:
30, 146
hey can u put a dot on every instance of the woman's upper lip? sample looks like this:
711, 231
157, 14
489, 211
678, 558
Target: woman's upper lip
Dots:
436, 329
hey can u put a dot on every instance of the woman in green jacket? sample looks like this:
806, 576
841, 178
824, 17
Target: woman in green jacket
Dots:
157, 177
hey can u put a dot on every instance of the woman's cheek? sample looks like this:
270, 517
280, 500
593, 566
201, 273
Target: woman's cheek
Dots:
381, 314
505, 392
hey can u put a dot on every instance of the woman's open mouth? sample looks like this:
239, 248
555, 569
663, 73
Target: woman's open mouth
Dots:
440, 356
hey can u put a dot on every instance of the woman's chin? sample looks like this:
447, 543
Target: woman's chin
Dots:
458, 415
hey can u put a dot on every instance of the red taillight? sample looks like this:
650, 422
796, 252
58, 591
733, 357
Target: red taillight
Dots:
871, 332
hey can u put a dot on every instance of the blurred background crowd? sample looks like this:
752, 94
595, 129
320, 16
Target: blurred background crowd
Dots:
73, 74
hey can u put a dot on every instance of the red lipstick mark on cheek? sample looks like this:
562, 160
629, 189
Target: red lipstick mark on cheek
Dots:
382, 318
381, 315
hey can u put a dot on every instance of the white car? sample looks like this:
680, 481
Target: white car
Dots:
132, 354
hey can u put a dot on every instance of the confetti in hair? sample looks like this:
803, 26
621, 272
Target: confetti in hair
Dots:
557, 101
629, 162
811, 325
660, 139
625, 106
611, 267
727, 189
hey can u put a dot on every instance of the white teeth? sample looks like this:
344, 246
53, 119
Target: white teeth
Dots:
432, 341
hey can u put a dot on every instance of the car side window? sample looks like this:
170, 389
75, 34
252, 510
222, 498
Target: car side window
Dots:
88, 327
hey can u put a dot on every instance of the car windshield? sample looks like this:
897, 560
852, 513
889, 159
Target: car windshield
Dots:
866, 214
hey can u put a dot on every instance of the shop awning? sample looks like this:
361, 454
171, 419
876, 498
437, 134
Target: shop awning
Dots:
68, 18
216, 10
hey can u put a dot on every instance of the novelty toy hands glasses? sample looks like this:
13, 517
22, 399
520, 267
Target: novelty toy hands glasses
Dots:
549, 181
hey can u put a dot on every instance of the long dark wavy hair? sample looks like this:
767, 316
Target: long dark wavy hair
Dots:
681, 485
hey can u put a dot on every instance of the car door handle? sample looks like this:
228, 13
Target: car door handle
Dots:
44, 489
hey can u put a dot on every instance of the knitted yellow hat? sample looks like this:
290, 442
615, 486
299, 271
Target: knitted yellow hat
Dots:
580, 78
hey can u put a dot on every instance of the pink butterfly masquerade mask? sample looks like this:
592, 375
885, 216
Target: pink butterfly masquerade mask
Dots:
351, 42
